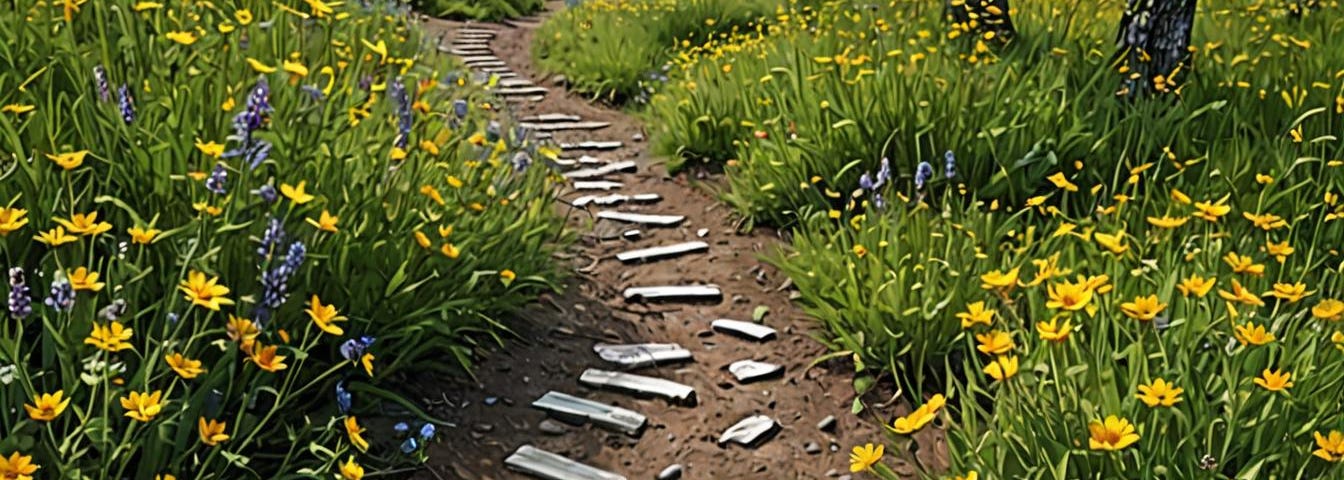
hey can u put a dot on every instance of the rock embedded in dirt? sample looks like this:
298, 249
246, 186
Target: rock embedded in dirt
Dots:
672, 472
747, 330
577, 410
751, 431
812, 448
552, 427
673, 292
827, 424
748, 371
549, 466
662, 252
639, 385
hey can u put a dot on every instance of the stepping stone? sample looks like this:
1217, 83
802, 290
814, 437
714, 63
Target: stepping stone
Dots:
590, 145
614, 199
474, 35
549, 466
493, 69
469, 59
673, 292
521, 90
655, 220
552, 117
610, 168
672, 472
639, 385
666, 251
643, 354
470, 41
466, 51
515, 82
578, 411
749, 330
751, 431
478, 30
554, 127
484, 64
597, 185
748, 371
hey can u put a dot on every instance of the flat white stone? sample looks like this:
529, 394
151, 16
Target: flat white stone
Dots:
597, 185
639, 385
555, 127
693, 292
470, 41
549, 466
493, 69
750, 431
748, 371
474, 35
484, 64
750, 330
614, 199
642, 354
469, 59
665, 251
657, 220
597, 172
521, 90
591, 145
578, 410
552, 117
632, 235
514, 83
478, 30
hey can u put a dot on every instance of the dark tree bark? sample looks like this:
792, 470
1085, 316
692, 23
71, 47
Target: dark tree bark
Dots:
980, 16
1154, 44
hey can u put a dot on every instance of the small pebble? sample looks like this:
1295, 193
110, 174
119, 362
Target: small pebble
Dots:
702, 232
827, 424
483, 428
551, 427
491, 401
812, 448
672, 472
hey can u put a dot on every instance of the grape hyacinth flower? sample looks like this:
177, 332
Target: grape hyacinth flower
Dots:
127, 104
100, 81
275, 283
315, 94
404, 118
62, 296
113, 311
271, 238
215, 183
354, 348
343, 398
949, 165
267, 193
521, 161
923, 174
20, 296
245, 123
401, 428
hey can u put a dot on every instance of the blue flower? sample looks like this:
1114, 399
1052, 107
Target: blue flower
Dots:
20, 296
100, 80
215, 183
267, 193
343, 398
460, 108
427, 432
923, 174
127, 104
401, 428
410, 445
354, 348
62, 296
950, 167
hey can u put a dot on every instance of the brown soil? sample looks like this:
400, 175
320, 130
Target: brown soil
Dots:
555, 339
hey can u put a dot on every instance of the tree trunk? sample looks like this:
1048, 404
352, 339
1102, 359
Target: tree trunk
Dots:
981, 16
1154, 43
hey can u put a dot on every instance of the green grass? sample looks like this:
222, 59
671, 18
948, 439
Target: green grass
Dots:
1068, 186
488, 10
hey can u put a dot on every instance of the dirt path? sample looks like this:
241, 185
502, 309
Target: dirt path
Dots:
557, 335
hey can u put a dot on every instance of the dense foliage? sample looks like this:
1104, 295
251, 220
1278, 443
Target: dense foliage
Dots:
226, 230
1084, 282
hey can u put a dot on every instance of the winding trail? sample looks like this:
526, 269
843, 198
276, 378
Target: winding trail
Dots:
556, 337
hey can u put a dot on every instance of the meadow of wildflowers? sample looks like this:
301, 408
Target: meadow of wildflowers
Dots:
230, 229
1072, 279
478, 9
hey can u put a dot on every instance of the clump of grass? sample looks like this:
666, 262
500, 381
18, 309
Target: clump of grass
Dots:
487, 10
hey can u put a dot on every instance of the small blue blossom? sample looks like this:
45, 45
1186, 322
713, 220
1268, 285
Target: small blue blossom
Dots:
127, 104
215, 183
950, 165
62, 296
20, 296
923, 174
